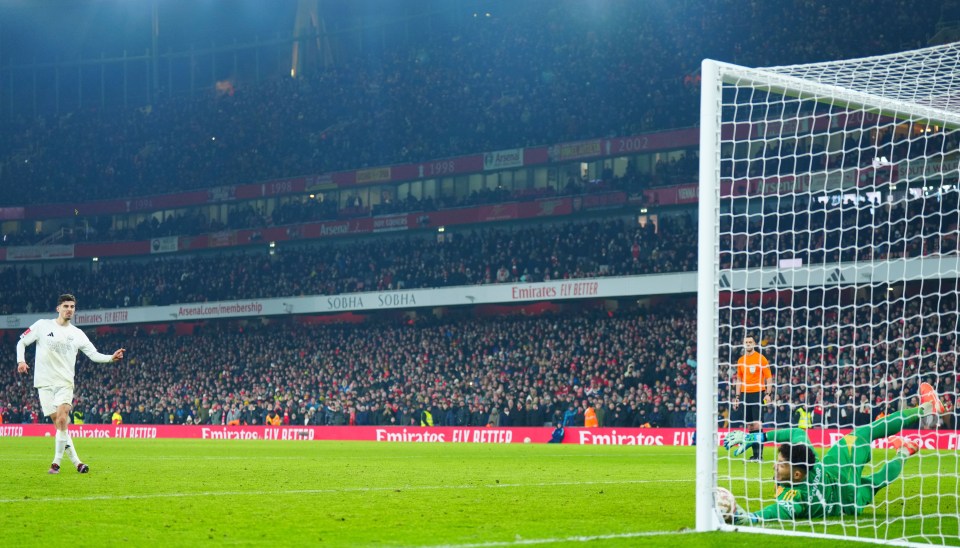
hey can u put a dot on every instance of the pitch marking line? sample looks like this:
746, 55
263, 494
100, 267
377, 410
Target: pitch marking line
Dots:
525, 542
327, 491
350, 457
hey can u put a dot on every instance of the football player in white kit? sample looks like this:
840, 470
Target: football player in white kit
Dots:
58, 342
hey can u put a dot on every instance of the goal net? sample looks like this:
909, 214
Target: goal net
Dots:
828, 234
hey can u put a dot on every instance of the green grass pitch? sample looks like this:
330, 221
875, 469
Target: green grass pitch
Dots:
166, 493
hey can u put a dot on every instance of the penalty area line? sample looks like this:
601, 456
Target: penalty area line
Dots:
351, 458
591, 538
343, 490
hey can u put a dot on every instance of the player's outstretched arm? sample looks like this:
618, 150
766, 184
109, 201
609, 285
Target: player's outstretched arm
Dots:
791, 435
91, 351
738, 440
778, 511
782, 510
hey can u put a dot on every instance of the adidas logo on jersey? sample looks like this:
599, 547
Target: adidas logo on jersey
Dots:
50, 334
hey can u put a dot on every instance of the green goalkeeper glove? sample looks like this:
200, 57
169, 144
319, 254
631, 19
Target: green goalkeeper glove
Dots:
738, 516
740, 440
742, 517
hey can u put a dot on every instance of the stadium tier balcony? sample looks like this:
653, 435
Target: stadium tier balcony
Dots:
522, 254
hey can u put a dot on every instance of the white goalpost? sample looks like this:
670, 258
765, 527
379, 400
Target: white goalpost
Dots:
828, 232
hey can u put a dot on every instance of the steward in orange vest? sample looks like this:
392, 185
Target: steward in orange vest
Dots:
590, 418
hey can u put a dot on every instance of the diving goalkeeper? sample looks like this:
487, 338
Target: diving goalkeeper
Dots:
810, 488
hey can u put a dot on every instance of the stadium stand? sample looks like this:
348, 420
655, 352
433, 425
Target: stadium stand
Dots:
434, 98
511, 371
871, 365
522, 254
638, 365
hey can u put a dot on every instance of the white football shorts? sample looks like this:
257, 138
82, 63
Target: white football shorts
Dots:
52, 397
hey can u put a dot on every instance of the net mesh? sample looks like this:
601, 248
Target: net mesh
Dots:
838, 253
922, 77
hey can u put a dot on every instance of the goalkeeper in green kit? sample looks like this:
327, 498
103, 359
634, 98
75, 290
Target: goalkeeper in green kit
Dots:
811, 488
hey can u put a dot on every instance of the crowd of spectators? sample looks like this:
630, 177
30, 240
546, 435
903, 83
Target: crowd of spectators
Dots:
815, 228
825, 229
806, 152
636, 368
531, 253
848, 362
308, 208
535, 73
504, 371
816, 232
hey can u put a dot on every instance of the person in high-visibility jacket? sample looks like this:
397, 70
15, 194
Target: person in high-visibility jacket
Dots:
77, 416
426, 418
273, 419
803, 419
117, 418
590, 418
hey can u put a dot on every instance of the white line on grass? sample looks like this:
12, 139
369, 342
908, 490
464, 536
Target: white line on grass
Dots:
852, 521
528, 541
327, 457
525, 542
326, 491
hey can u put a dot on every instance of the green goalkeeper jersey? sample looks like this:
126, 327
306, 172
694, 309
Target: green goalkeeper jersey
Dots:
830, 489
795, 501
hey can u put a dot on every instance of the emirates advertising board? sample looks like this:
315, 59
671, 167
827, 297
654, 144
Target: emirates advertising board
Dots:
929, 439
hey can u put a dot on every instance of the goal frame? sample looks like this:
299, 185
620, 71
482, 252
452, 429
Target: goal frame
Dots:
714, 75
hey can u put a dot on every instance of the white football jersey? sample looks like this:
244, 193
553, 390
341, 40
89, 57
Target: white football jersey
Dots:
57, 347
